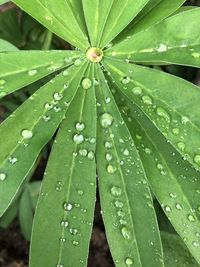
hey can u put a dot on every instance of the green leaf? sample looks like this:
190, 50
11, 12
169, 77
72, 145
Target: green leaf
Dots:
3, 2
6, 46
69, 188
154, 12
96, 15
34, 189
58, 17
9, 215
34, 124
170, 102
26, 214
119, 17
18, 69
126, 201
173, 180
162, 43
175, 253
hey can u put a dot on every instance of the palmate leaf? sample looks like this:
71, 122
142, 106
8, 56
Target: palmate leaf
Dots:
69, 188
34, 124
58, 18
6, 46
170, 102
125, 197
173, 180
154, 12
119, 17
162, 43
16, 73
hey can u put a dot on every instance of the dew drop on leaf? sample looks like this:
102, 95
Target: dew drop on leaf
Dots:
191, 218
176, 131
77, 62
147, 100
197, 159
137, 90
83, 152
126, 80
108, 145
27, 134
108, 157
111, 169
2, 176
162, 48
163, 114
116, 191
106, 120
57, 96
2, 82
75, 243
91, 155
32, 72
67, 206
12, 160
86, 83
125, 233
80, 126
178, 206
78, 138
64, 223
129, 262
119, 204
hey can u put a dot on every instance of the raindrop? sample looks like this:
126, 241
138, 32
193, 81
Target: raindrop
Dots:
162, 48
64, 223
162, 113
78, 138
67, 206
168, 209
63, 240
46, 118
197, 159
184, 120
191, 218
57, 96
48, 106
108, 157
32, 72
91, 155
147, 151
77, 62
106, 120
86, 83
137, 90
2, 176
111, 169
107, 100
12, 160
147, 100
129, 261
108, 145
126, 152
116, 191
181, 146
195, 244
119, 204
75, 243
126, 80
80, 126
178, 206
125, 233
123, 222
27, 134
83, 152
172, 195
2, 82
73, 231
176, 131
80, 192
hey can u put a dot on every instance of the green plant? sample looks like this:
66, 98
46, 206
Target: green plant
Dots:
139, 127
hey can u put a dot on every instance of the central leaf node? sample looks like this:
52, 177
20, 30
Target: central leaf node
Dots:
94, 54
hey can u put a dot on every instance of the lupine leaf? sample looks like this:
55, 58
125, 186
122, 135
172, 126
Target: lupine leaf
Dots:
154, 12
173, 180
162, 43
32, 66
126, 202
69, 189
120, 16
34, 124
96, 15
6, 46
170, 102
175, 253
3, 2
57, 18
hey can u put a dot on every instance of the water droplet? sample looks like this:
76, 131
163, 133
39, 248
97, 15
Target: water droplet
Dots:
181, 146
197, 159
184, 120
126, 152
91, 155
167, 209
122, 221
2, 82
67, 206
176, 131
162, 48
108, 157
62, 240
125, 233
160, 166
77, 62
172, 195
147, 100
32, 72
126, 80
75, 243
147, 151
86, 83
78, 138
106, 120
129, 261
2, 176
137, 90
116, 191
108, 145
64, 223
195, 244
27, 134
80, 192
111, 169
57, 96
80, 126
162, 113
83, 152
107, 100
191, 218
73, 231
12, 160
119, 204
46, 118
178, 206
